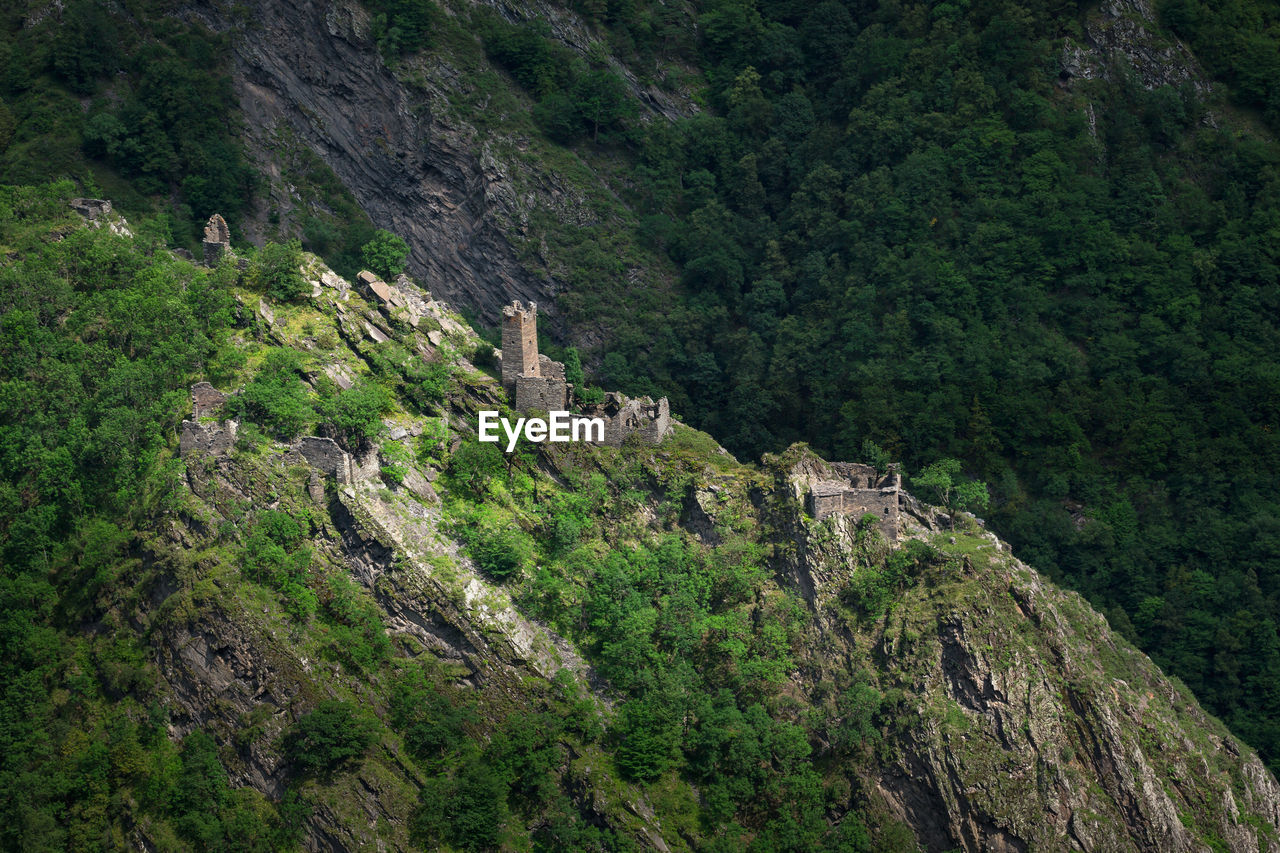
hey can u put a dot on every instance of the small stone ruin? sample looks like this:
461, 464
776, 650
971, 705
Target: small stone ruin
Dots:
217, 240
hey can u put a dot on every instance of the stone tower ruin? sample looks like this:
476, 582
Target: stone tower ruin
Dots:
217, 239
519, 344
535, 382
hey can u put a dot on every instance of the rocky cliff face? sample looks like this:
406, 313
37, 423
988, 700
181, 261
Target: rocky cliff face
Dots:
310, 66
968, 700
1032, 725
1123, 37
309, 71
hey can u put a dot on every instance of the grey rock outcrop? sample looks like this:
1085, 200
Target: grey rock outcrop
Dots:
1124, 35
312, 67
91, 208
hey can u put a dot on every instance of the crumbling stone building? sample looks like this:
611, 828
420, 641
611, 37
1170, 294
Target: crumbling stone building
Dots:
217, 240
531, 380
535, 382
623, 416
858, 490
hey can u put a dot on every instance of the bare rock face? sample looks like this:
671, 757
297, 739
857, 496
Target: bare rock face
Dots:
1124, 36
310, 66
91, 208
1035, 727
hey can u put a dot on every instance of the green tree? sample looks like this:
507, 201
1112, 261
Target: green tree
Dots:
334, 733
276, 396
944, 482
277, 270
385, 254
355, 414
474, 464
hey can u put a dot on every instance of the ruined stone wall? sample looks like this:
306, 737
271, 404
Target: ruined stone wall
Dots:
823, 505
624, 416
206, 401
519, 344
541, 393
213, 439
217, 239
859, 491
882, 503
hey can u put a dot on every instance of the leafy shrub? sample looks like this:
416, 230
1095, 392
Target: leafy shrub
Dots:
276, 269
276, 397
357, 636
484, 356
466, 811
426, 714
500, 550
385, 254
648, 736
356, 413
331, 735
275, 556
474, 464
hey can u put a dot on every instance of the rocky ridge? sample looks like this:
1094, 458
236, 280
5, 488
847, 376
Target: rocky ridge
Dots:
1011, 717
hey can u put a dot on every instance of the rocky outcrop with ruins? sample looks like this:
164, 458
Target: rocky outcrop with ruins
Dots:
534, 382
206, 432
858, 490
850, 489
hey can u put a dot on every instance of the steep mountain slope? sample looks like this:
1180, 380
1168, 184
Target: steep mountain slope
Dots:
415, 140
1029, 235
395, 637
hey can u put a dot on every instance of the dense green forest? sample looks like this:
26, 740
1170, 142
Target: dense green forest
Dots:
891, 221
98, 335
895, 223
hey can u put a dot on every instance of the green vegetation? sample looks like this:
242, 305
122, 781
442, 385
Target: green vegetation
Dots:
275, 270
334, 733
159, 127
385, 254
897, 223
276, 397
896, 233
943, 483
574, 99
376, 664
98, 342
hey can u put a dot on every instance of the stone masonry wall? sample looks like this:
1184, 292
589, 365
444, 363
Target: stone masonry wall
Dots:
217, 239
541, 393
519, 344
859, 491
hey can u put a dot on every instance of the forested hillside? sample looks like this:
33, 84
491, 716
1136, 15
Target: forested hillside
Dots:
909, 223
328, 618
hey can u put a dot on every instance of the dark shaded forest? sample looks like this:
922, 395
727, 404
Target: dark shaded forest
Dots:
896, 223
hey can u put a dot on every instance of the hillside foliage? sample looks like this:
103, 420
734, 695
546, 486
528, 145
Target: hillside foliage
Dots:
895, 223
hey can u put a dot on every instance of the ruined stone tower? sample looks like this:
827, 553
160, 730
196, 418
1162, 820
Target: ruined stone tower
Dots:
217, 239
519, 344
